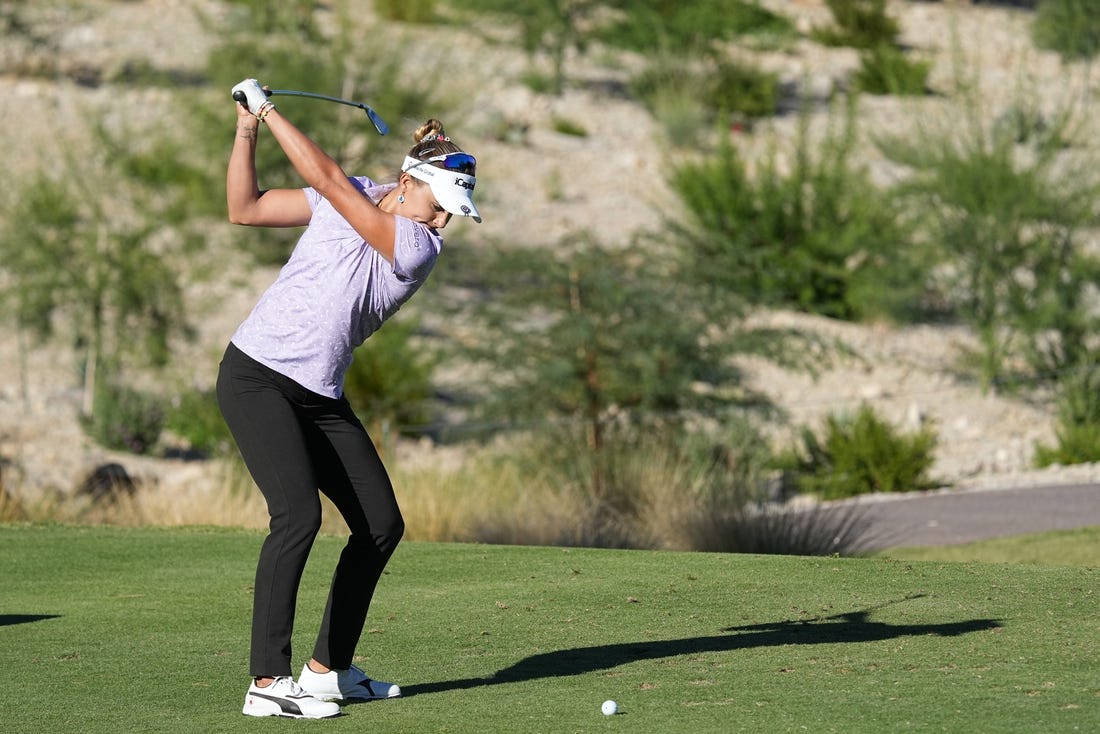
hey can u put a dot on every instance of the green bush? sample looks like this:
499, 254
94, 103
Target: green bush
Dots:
807, 230
565, 126
389, 383
1007, 224
688, 99
406, 11
742, 88
1078, 428
194, 416
859, 24
124, 419
861, 454
887, 70
1069, 27
675, 94
680, 26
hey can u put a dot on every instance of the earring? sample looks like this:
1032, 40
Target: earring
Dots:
400, 199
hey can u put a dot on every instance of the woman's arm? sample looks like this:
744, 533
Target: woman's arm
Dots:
376, 227
244, 200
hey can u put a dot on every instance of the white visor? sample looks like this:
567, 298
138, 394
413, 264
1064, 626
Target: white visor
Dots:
452, 189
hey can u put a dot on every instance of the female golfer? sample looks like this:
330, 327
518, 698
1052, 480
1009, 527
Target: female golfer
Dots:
365, 250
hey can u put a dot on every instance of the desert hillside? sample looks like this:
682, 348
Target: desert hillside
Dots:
609, 182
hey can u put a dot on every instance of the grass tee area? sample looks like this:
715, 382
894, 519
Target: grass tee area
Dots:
146, 630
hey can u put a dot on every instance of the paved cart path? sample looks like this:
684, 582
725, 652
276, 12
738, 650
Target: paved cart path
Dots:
956, 517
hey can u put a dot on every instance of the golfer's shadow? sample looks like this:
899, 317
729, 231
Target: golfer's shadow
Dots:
851, 627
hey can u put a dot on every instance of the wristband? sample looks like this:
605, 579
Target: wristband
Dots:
265, 108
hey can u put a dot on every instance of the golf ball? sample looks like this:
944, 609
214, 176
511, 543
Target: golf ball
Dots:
609, 708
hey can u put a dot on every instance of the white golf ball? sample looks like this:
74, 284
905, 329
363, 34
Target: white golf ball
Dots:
609, 708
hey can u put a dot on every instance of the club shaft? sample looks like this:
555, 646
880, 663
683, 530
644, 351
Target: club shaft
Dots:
379, 124
314, 95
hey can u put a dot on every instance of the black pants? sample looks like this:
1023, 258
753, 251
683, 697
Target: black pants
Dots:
296, 442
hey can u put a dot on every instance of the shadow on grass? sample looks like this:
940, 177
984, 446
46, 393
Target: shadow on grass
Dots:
7, 620
841, 628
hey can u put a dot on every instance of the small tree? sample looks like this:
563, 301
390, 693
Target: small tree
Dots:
1005, 216
1070, 27
66, 258
389, 383
807, 230
597, 339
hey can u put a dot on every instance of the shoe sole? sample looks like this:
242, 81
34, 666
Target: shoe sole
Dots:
285, 715
273, 708
339, 699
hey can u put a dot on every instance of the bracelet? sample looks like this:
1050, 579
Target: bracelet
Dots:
265, 108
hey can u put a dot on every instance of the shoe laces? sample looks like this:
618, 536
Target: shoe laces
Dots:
291, 685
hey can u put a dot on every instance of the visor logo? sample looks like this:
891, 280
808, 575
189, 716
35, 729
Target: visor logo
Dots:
464, 184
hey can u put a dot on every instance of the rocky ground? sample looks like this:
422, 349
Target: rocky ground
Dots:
609, 182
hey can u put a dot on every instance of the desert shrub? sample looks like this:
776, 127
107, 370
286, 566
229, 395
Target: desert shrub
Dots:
1078, 426
685, 26
859, 24
807, 230
887, 70
194, 416
389, 382
743, 88
124, 418
675, 94
660, 488
406, 11
11, 509
565, 126
861, 454
1007, 221
688, 98
1069, 27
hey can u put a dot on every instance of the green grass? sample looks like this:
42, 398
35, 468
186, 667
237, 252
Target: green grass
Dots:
1079, 547
145, 630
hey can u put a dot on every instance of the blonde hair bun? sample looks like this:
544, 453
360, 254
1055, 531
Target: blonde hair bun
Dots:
430, 130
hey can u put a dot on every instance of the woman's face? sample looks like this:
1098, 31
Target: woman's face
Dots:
420, 204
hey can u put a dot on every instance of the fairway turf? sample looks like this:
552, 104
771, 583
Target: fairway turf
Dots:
1077, 547
146, 630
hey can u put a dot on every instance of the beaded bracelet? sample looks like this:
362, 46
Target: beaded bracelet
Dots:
265, 108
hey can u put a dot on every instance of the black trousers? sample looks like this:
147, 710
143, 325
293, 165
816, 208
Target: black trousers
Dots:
296, 443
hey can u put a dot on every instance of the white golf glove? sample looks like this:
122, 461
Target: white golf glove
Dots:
254, 95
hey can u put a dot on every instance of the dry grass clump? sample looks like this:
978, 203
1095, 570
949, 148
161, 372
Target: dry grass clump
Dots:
653, 497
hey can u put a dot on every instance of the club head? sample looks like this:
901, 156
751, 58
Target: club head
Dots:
379, 124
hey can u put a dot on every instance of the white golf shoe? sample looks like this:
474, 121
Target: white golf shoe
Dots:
284, 697
344, 685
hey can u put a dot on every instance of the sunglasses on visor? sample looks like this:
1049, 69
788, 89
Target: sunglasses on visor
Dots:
457, 162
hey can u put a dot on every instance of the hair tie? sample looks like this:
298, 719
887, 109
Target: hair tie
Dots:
434, 137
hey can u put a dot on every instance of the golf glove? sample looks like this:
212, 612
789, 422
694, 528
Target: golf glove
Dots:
254, 95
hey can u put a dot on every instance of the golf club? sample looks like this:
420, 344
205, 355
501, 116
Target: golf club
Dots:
379, 124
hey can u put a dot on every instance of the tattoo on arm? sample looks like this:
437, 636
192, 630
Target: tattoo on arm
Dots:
248, 133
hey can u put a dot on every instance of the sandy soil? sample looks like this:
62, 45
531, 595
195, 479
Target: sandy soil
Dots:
610, 183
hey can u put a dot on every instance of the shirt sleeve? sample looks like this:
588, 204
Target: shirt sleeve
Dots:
415, 250
312, 197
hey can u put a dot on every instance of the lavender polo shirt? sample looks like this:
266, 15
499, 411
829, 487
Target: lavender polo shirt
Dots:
334, 292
